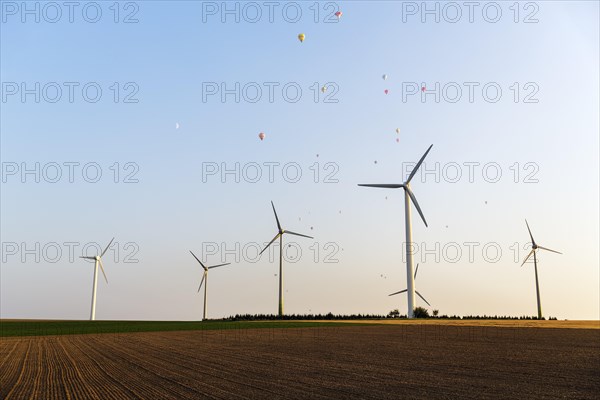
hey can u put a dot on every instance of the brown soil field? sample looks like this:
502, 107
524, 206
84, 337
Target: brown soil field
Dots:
349, 362
507, 323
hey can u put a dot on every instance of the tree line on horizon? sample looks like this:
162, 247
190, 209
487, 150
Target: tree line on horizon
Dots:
420, 312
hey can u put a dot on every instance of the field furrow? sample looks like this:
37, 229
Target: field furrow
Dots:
15, 382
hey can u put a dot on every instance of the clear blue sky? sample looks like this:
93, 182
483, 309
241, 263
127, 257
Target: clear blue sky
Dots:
171, 53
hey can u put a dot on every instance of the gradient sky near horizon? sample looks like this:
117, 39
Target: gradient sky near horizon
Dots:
543, 141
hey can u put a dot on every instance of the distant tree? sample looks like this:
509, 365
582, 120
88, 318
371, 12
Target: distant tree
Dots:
421, 312
394, 313
436, 312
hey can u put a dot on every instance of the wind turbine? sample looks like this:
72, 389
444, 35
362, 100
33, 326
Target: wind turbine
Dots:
534, 248
408, 196
97, 261
416, 291
280, 233
205, 277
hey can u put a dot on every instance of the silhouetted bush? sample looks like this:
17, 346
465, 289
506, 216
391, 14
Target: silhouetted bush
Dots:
421, 312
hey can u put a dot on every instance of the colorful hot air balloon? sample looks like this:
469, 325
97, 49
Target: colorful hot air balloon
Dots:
261, 136
338, 14
324, 89
385, 91
397, 140
398, 130
301, 37
384, 77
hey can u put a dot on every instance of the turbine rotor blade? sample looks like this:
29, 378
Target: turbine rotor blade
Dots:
102, 269
547, 249
218, 265
414, 171
271, 242
276, 218
530, 235
402, 291
197, 259
416, 269
106, 249
298, 234
414, 200
202, 281
419, 294
382, 185
527, 258
88, 257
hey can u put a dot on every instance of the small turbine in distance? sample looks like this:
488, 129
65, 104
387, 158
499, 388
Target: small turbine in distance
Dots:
279, 235
416, 291
97, 261
534, 248
205, 278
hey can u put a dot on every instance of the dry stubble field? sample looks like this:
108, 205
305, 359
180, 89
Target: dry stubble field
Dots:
358, 362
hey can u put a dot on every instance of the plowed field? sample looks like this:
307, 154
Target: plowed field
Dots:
348, 362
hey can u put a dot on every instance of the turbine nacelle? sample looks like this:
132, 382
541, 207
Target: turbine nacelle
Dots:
535, 247
405, 185
98, 259
281, 231
206, 269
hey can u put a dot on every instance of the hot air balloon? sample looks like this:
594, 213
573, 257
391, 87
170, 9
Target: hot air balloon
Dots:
324, 89
301, 37
384, 77
385, 91
398, 130
338, 14
261, 136
397, 140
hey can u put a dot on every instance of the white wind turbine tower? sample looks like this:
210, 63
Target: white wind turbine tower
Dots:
416, 291
97, 261
205, 278
280, 233
534, 248
408, 196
